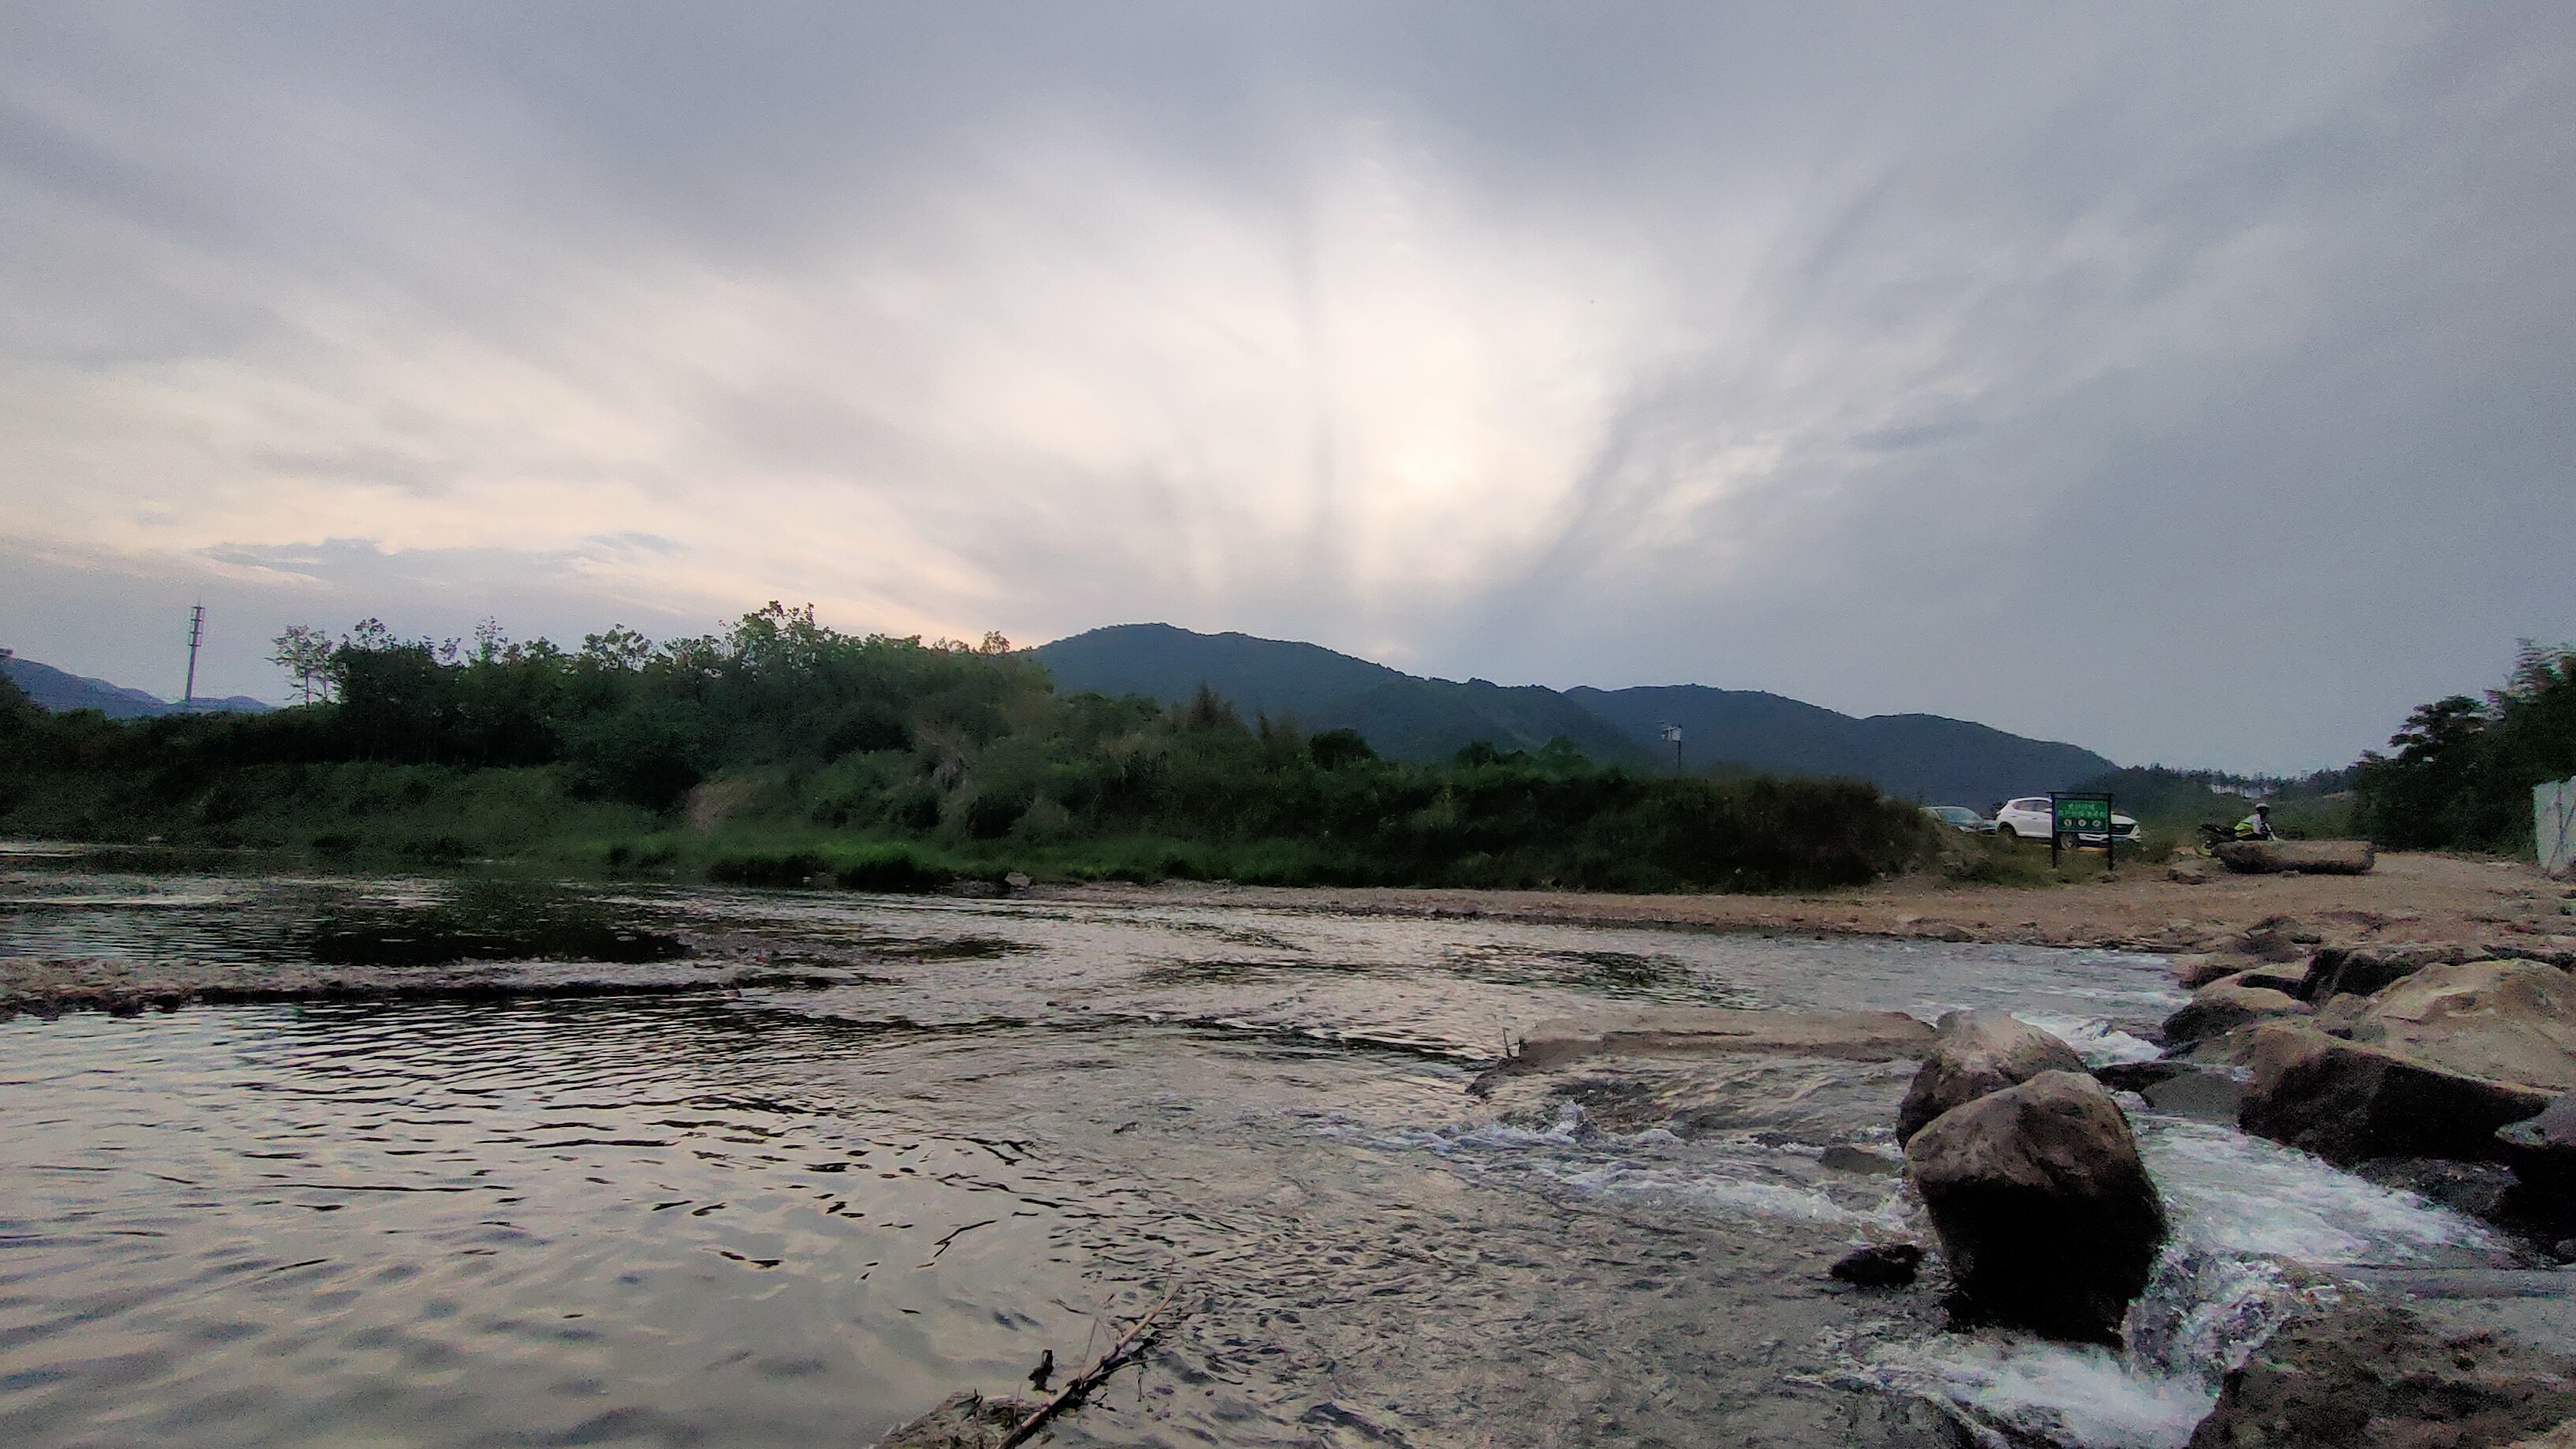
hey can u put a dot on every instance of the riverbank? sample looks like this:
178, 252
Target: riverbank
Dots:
2501, 906
2467, 904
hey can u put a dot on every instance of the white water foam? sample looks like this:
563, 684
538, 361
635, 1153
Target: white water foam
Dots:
2247, 1217
2008, 1393
1726, 1192
1654, 1164
2236, 1194
2098, 1042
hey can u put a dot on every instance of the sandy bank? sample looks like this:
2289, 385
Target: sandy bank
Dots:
2503, 906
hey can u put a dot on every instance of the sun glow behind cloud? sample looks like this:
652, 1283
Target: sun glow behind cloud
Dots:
1399, 389
1728, 347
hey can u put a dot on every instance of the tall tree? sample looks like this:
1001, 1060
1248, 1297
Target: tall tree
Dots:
304, 652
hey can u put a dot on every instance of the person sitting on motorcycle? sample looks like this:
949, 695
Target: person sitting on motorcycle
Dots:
2257, 826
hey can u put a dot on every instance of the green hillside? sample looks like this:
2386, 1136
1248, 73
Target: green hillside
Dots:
1915, 756
1403, 717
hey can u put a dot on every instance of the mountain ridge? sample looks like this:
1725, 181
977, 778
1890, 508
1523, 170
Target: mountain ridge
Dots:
1405, 716
61, 691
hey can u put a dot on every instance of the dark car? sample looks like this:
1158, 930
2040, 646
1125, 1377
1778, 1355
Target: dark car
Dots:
1960, 817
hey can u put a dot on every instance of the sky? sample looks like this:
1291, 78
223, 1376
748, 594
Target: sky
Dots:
2196, 383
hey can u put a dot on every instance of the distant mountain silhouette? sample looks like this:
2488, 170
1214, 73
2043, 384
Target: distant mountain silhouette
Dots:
59, 692
1938, 760
1402, 716
1942, 761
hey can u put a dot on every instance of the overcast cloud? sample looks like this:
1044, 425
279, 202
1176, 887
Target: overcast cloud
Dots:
2193, 383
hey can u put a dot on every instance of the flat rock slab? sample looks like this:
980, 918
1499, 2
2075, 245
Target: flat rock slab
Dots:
125, 988
2347, 1101
1860, 1036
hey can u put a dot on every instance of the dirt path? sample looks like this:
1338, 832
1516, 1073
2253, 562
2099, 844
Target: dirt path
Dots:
2506, 907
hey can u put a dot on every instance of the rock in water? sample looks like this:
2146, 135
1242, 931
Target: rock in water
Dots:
1859, 1036
2047, 1218
1880, 1265
2346, 1101
1976, 1053
2373, 1374
2223, 1006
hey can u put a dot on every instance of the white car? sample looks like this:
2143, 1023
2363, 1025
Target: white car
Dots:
2029, 818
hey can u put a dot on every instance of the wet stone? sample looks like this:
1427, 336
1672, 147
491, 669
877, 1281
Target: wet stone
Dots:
2223, 1006
1974, 1054
2366, 1373
2047, 1218
1880, 1265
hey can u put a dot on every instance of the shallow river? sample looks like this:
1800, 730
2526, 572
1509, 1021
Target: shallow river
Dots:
801, 1216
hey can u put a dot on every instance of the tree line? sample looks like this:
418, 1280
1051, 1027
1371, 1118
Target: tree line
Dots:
2459, 775
966, 751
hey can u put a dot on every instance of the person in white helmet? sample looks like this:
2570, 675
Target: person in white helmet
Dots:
2257, 826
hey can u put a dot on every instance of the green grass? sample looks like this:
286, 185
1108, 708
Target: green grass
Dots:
2001, 860
357, 814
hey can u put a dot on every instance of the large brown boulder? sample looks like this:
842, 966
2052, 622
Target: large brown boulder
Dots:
2368, 970
2310, 857
2223, 1006
2508, 1021
1975, 1053
2047, 1218
2372, 1374
2196, 970
2346, 1101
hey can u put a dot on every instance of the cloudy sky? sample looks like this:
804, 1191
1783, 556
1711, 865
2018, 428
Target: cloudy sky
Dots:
2193, 383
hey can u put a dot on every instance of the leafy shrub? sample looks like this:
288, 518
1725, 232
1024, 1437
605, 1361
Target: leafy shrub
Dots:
894, 870
767, 868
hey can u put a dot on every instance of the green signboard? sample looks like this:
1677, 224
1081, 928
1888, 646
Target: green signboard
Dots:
2092, 817
2077, 817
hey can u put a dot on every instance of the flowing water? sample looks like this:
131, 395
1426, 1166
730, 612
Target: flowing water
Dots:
802, 1216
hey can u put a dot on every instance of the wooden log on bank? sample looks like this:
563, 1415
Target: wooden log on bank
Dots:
2309, 857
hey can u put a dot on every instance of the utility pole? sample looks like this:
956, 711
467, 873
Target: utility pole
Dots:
196, 635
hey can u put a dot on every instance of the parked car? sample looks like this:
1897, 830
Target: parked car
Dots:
1960, 817
2030, 818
